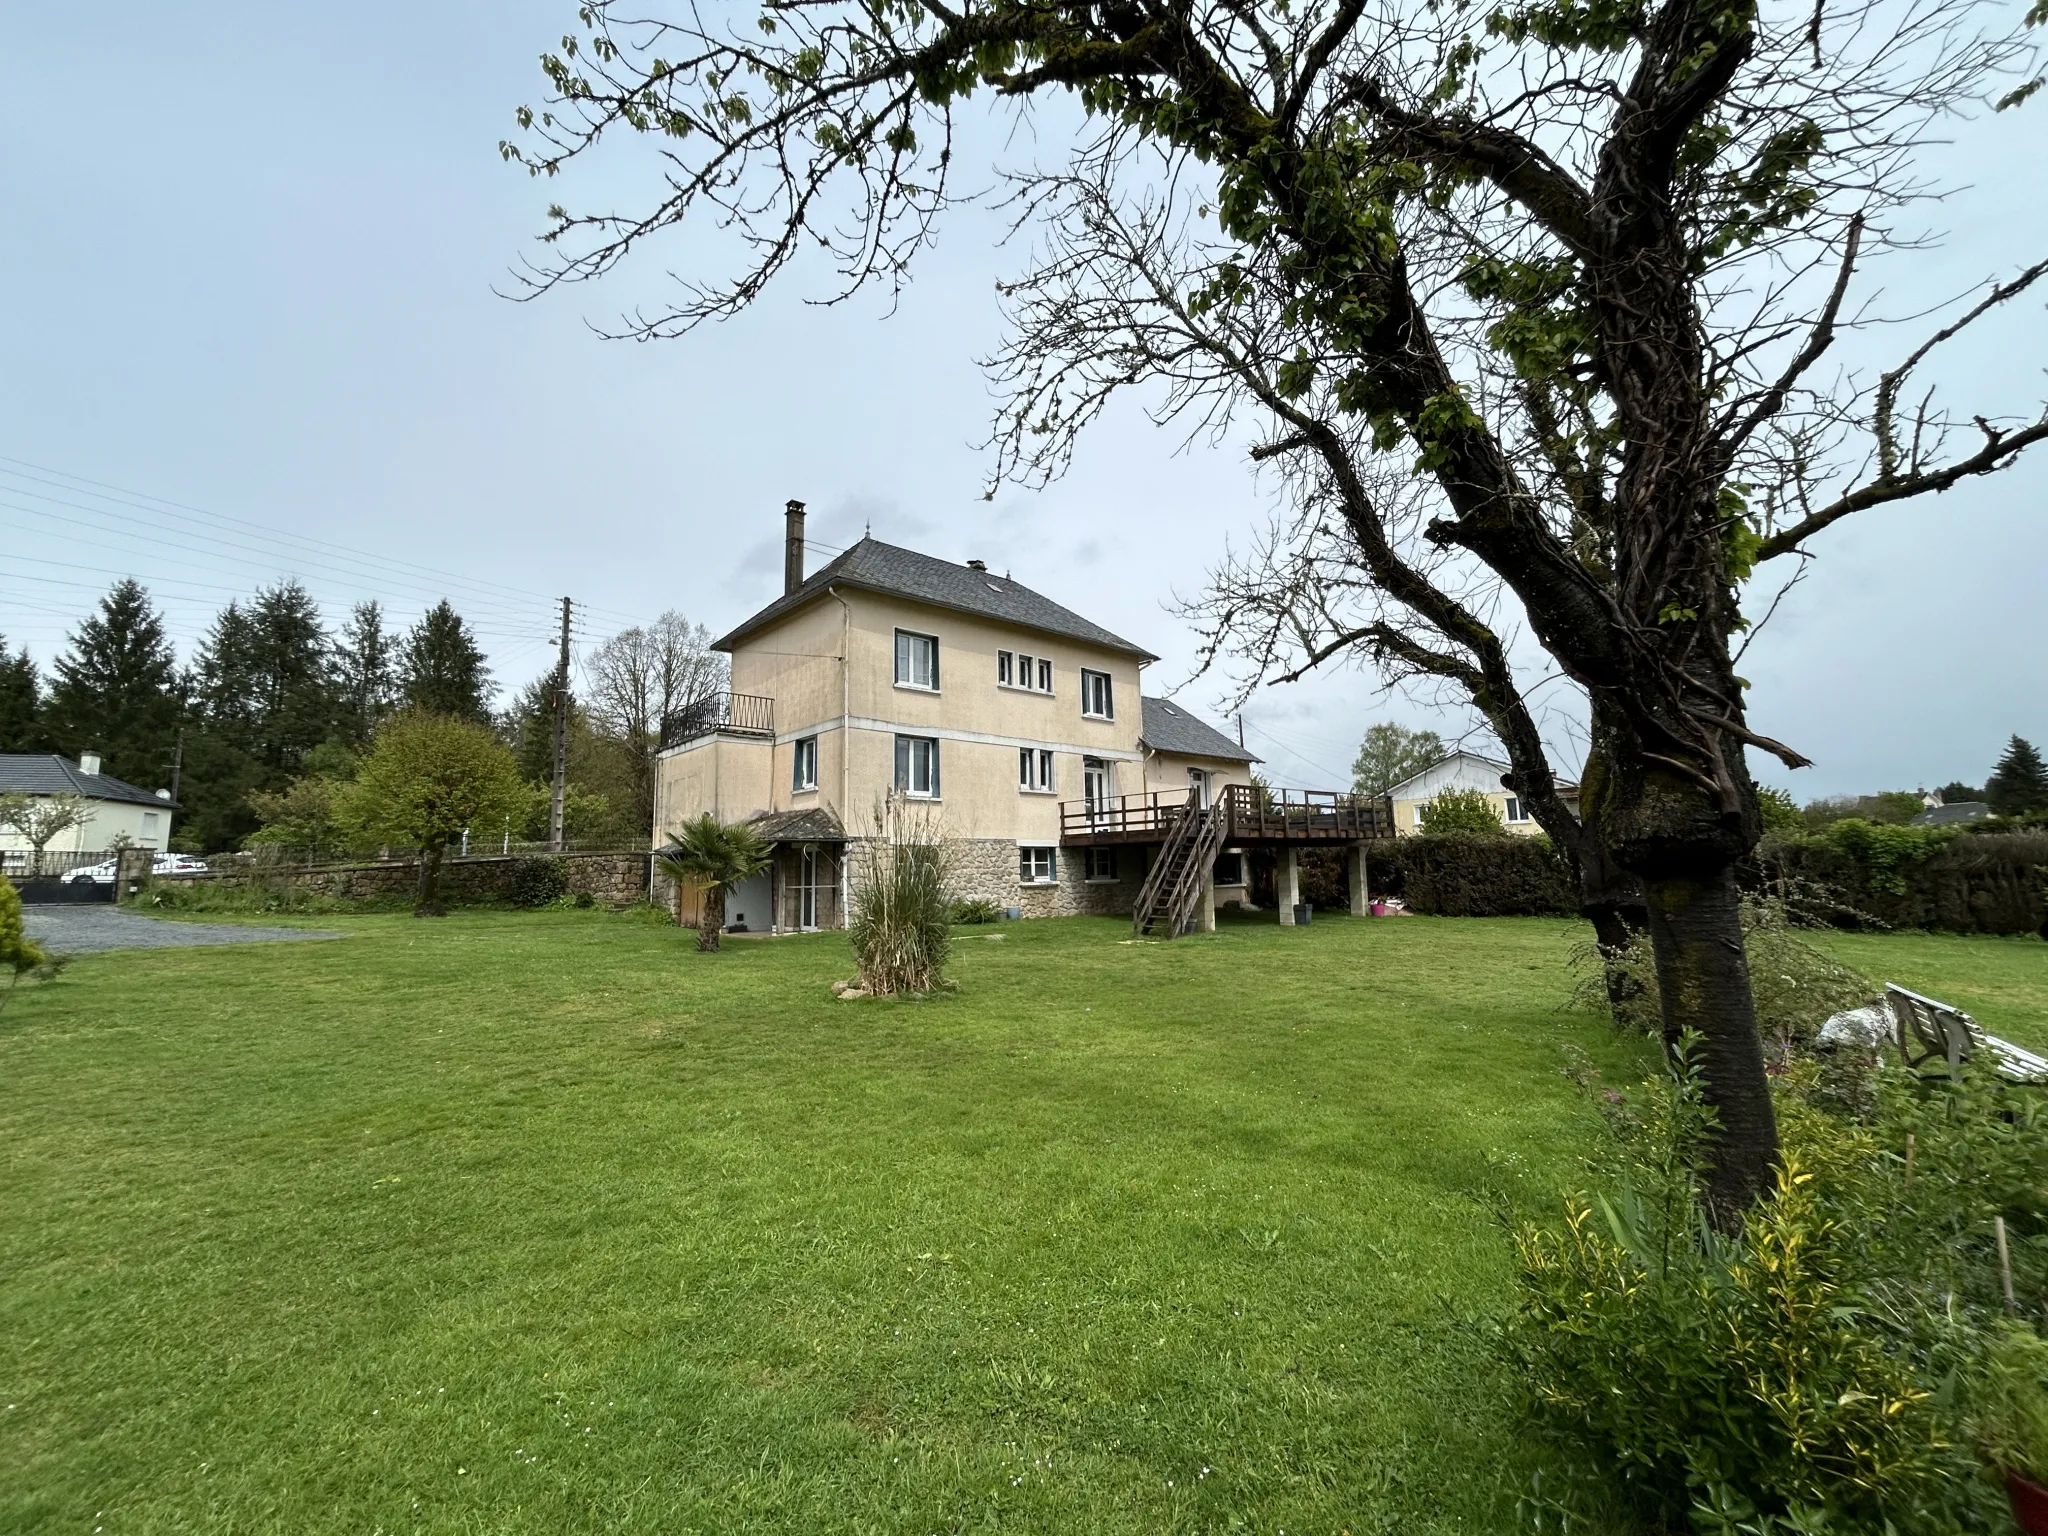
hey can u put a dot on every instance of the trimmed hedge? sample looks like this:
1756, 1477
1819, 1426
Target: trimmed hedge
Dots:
1451, 876
1994, 882
538, 880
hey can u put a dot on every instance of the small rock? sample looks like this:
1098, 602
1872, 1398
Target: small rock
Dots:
851, 993
839, 987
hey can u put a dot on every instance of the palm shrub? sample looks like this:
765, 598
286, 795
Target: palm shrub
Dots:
902, 911
709, 853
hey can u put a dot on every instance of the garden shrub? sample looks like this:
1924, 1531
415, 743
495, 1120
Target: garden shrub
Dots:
538, 880
1461, 812
19, 953
977, 909
1825, 1369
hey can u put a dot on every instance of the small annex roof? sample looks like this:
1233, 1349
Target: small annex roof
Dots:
812, 825
1165, 726
47, 773
877, 567
1566, 787
1951, 815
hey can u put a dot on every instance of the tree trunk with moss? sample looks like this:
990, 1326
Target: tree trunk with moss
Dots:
712, 922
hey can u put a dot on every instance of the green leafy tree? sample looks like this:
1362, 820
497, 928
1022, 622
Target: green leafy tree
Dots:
2020, 781
21, 702
1391, 753
441, 668
1780, 812
115, 691
1464, 284
301, 815
1959, 793
709, 853
425, 781
38, 819
1462, 813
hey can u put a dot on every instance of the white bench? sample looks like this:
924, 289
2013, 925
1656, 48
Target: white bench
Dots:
1927, 1030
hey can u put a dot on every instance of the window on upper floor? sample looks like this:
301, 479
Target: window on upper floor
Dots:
917, 767
1037, 865
1017, 669
1516, 810
1096, 702
804, 770
1034, 770
917, 660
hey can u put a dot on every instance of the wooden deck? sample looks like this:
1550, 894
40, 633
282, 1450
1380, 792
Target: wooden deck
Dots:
1250, 815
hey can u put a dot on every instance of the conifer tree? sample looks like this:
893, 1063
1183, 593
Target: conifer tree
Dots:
116, 690
363, 663
442, 670
21, 702
294, 701
2020, 781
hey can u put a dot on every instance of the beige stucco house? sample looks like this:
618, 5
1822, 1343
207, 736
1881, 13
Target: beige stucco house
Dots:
117, 813
1022, 727
1466, 770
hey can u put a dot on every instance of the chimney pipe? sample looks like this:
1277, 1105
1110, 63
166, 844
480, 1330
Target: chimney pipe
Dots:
792, 546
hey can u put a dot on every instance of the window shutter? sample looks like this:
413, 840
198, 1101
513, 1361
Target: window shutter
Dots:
902, 657
934, 744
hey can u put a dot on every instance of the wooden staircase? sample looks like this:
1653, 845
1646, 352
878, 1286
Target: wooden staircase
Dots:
1173, 886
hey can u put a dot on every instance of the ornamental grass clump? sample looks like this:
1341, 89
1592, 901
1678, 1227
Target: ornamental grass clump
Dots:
902, 911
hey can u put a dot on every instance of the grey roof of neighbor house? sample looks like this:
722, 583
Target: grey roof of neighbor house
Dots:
46, 773
877, 567
1948, 815
1166, 727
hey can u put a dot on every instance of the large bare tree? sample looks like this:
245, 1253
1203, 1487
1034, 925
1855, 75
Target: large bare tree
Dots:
1530, 307
640, 677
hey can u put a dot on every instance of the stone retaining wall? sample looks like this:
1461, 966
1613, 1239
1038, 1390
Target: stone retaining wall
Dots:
616, 879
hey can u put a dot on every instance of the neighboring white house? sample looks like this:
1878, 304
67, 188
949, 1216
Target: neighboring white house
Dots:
115, 808
1465, 770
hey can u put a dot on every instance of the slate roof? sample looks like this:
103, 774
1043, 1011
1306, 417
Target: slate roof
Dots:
45, 773
877, 567
1166, 727
1950, 815
815, 825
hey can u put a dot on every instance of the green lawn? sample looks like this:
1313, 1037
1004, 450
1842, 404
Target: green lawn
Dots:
545, 1222
2000, 982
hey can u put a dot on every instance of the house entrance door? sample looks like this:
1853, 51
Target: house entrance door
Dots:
807, 889
1198, 781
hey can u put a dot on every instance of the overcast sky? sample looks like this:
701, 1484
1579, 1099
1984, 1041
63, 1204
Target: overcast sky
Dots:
246, 279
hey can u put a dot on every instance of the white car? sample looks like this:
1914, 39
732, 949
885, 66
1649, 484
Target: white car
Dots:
103, 873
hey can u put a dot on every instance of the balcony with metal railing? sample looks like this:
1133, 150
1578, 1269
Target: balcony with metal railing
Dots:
720, 714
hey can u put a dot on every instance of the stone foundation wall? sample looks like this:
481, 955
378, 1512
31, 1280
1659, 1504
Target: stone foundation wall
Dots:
986, 869
615, 879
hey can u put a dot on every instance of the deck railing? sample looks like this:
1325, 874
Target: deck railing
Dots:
1249, 812
734, 714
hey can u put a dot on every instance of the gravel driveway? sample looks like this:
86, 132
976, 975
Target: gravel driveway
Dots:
76, 928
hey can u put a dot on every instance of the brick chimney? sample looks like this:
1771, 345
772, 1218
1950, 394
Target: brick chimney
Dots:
792, 546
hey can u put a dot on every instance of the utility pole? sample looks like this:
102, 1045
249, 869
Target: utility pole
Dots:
561, 738
177, 762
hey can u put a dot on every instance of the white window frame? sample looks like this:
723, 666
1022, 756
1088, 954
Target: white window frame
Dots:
907, 641
1518, 812
1093, 682
907, 750
1094, 860
1037, 771
1044, 674
803, 768
1025, 672
1005, 672
1027, 871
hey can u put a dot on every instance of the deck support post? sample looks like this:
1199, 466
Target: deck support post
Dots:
1205, 909
1287, 881
1360, 900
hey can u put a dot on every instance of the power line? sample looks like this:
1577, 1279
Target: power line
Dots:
185, 512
